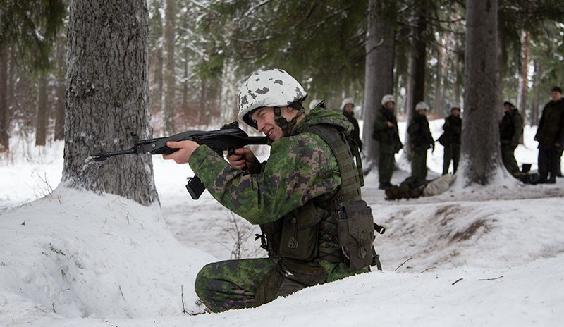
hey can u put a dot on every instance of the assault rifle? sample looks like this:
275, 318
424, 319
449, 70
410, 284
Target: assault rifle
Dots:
228, 138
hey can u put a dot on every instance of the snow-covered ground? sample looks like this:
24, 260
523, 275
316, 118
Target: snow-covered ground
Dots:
489, 256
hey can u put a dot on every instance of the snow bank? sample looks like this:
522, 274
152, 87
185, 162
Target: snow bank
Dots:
78, 254
493, 234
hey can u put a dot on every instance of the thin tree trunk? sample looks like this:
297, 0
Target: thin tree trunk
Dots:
536, 87
4, 121
42, 114
60, 90
106, 99
379, 71
229, 92
523, 80
417, 63
170, 75
480, 137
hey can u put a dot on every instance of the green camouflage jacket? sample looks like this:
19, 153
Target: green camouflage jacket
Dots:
300, 167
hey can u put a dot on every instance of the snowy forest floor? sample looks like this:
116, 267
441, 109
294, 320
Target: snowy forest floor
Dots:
490, 256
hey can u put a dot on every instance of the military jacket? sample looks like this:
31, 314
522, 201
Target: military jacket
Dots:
551, 125
419, 132
452, 130
388, 137
511, 127
292, 190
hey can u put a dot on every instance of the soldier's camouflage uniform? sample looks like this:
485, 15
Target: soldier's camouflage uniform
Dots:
301, 170
421, 140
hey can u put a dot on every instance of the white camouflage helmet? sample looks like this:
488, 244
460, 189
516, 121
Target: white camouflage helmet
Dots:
268, 88
387, 98
347, 101
422, 106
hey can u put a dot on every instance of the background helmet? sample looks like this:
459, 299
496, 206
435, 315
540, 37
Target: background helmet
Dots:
268, 88
422, 106
347, 101
388, 98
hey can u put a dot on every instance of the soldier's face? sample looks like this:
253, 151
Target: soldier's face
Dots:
264, 118
455, 112
349, 108
390, 105
555, 96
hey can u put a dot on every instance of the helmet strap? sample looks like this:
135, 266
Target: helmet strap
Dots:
286, 126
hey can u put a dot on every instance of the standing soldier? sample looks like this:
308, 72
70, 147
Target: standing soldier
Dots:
387, 135
550, 135
348, 110
421, 140
300, 197
450, 140
510, 131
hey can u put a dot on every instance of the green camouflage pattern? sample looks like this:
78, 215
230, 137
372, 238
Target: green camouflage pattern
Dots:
300, 167
248, 283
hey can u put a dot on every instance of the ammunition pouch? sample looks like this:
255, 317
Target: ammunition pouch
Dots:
356, 233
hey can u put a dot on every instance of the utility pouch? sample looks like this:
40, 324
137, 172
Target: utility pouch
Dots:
356, 232
300, 233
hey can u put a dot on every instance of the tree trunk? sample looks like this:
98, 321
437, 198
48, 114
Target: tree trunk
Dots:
480, 137
42, 114
379, 71
229, 94
170, 75
523, 78
416, 68
60, 89
106, 99
4, 121
536, 87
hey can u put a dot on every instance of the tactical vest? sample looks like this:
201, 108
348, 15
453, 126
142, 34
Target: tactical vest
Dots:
337, 227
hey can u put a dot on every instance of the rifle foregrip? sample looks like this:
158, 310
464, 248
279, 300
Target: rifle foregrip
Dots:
195, 187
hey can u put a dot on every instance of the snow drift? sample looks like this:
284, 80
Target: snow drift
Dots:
78, 254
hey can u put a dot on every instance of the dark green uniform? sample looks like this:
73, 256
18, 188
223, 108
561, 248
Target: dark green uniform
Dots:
450, 140
291, 199
421, 140
389, 144
356, 129
550, 135
510, 131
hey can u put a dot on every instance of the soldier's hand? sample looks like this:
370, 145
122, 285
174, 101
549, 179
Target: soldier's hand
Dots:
184, 152
243, 159
390, 125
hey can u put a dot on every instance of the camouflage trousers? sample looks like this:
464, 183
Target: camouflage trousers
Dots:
385, 167
244, 283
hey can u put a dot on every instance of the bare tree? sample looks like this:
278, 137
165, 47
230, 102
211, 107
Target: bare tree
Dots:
379, 71
169, 73
60, 88
480, 133
416, 64
42, 113
4, 141
106, 99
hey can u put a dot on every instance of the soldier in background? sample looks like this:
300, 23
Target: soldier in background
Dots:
510, 132
421, 140
550, 135
348, 110
450, 140
387, 135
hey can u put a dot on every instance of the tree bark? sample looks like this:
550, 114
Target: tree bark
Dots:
416, 67
523, 78
170, 75
60, 89
536, 87
379, 70
480, 135
4, 121
42, 113
229, 94
106, 99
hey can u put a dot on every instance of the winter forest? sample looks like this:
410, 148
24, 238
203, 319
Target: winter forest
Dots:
92, 237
